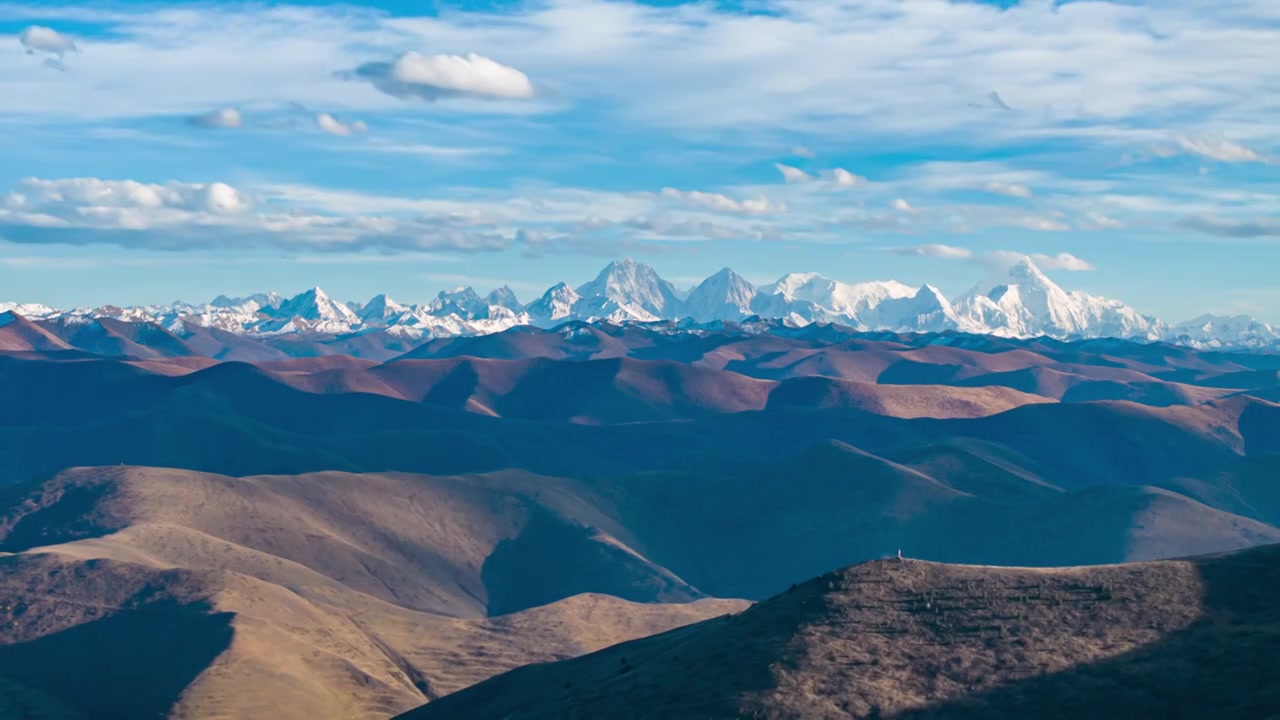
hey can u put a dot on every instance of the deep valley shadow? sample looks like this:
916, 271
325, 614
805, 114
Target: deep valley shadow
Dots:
129, 666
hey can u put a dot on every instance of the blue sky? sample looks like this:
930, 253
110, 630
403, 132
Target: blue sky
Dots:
155, 152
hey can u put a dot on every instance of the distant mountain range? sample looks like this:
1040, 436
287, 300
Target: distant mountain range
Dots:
1019, 302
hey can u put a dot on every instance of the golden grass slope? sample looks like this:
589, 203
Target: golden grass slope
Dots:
146, 592
110, 639
422, 542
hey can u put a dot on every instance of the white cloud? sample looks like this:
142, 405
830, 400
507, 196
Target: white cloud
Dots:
998, 259
803, 152
1098, 221
221, 118
334, 126
934, 250
1042, 224
845, 179
1219, 149
1063, 261
793, 174
40, 39
902, 205
724, 203
666, 227
427, 150
415, 76
195, 216
91, 197
1007, 189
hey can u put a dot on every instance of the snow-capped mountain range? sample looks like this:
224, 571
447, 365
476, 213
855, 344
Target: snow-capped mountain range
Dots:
1019, 302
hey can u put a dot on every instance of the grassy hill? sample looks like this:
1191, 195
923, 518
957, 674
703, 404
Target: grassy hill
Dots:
911, 639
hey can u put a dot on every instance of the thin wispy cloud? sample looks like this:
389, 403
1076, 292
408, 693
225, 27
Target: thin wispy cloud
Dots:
844, 179
996, 260
723, 203
220, 118
1063, 261
1232, 228
933, 250
793, 174
1007, 189
1219, 149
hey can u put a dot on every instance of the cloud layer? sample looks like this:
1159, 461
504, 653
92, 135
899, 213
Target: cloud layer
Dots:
998, 259
195, 216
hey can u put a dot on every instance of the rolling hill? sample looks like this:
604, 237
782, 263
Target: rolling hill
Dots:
359, 535
327, 596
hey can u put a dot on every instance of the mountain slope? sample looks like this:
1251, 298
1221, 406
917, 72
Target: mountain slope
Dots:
909, 639
321, 596
432, 544
722, 296
196, 644
18, 334
627, 290
1024, 302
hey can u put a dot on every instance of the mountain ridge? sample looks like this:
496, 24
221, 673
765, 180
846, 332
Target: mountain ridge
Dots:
1020, 301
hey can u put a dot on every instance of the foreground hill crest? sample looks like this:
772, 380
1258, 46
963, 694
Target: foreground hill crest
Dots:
911, 639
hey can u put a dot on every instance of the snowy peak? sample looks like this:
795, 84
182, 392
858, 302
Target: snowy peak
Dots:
315, 306
810, 297
628, 290
725, 295
257, 301
1226, 331
1023, 275
555, 305
1022, 301
380, 309
838, 297
928, 310
504, 297
463, 302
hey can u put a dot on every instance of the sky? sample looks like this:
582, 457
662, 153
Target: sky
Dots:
152, 152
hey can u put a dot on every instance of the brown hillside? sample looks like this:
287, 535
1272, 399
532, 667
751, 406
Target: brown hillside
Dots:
18, 334
1186, 638
124, 639
321, 596
465, 546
